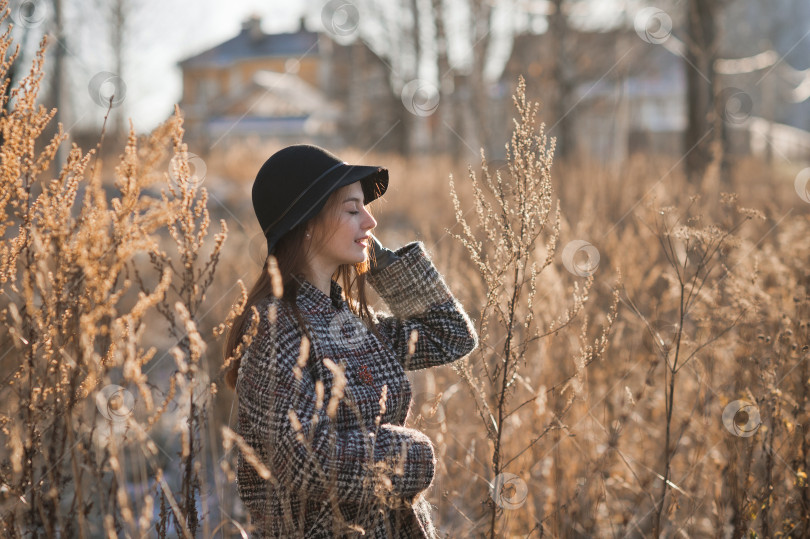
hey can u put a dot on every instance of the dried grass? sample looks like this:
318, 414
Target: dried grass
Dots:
672, 400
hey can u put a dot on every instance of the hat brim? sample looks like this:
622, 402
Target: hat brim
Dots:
374, 180
374, 184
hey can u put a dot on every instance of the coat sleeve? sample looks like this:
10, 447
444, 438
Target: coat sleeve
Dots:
420, 300
321, 460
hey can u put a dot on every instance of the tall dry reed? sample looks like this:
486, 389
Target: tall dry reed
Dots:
516, 209
79, 456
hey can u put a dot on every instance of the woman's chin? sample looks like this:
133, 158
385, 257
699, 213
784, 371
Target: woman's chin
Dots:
362, 257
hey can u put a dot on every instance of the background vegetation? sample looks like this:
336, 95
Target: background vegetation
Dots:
644, 338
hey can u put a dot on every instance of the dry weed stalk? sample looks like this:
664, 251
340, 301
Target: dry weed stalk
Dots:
693, 251
768, 402
513, 214
189, 230
72, 444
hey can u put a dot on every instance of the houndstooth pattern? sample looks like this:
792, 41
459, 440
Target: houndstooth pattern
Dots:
336, 475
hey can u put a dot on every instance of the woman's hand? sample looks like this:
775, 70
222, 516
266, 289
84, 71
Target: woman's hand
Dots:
382, 257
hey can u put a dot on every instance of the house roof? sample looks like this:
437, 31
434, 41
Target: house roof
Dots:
251, 42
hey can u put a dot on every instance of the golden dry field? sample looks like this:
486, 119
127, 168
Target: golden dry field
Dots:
642, 368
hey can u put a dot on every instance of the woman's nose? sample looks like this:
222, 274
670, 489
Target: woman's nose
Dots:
370, 221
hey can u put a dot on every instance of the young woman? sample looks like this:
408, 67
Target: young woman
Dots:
321, 385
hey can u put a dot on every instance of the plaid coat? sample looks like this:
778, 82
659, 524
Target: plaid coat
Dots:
325, 477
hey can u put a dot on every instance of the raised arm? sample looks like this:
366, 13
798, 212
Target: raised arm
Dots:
319, 461
420, 300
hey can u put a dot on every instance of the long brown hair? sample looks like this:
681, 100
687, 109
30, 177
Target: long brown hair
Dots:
291, 255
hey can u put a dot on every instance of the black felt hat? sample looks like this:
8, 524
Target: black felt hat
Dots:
294, 183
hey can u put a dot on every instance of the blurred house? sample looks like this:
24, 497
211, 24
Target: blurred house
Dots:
627, 95
621, 97
291, 87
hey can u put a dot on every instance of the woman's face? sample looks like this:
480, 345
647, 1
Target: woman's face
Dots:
353, 223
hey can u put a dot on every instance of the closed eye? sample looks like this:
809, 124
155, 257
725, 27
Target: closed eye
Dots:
354, 212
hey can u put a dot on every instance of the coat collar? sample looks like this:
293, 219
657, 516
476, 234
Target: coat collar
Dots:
312, 299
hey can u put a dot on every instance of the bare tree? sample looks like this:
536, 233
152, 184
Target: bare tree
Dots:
701, 53
563, 78
118, 12
410, 35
